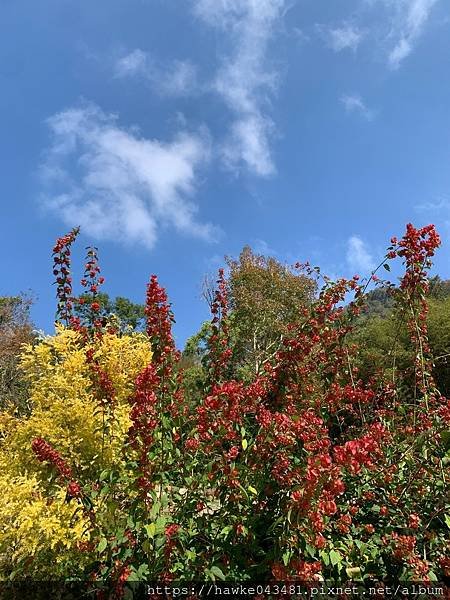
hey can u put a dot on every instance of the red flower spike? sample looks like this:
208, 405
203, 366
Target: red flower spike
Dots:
46, 453
159, 327
61, 256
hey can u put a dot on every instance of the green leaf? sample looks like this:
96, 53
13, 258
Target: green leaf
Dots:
143, 570
150, 529
447, 520
217, 572
102, 545
103, 475
245, 492
387, 267
252, 489
244, 444
335, 558
353, 572
155, 510
160, 524
226, 530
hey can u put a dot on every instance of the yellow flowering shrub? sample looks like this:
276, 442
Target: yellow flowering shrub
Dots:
38, 535
66, 414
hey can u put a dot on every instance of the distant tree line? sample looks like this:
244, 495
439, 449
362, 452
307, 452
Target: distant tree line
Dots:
265, 298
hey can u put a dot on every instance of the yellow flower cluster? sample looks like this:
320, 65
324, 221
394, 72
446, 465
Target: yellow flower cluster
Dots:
66, 414
37, 534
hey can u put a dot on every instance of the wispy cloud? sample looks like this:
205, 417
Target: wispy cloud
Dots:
436, 210
245, 80
353, 103
133, 63
173, 78
358, 255
398, 25
118, 185
438, 205
346, 36
260, 246
410, 18
300, 35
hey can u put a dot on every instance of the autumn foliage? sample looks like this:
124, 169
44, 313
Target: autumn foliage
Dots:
299, 472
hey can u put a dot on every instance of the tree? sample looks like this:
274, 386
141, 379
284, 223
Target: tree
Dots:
378, 302
15, 331
265, 296
439, 288
130, 316
385, 345
439, 335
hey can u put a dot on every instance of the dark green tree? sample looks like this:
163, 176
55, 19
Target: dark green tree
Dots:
384, 343
130, 316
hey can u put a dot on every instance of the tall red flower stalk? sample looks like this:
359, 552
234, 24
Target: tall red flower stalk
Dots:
416, 248
145, 419
156, 392
46, 453
159, 318
91, 281
63, 279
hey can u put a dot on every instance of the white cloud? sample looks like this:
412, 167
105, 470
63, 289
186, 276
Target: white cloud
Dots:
358, 255
341, 38
118, 185
410, 18
396, 24
353, 103
244, 80
174, 78
440, 204
134, 63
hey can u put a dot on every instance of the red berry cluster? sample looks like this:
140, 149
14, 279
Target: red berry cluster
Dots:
46, 453
119, 575
362, 452
170, 531
104, 390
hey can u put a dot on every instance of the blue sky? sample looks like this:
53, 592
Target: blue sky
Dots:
177, 131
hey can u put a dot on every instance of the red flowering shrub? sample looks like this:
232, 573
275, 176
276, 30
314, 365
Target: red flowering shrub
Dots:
305, 472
